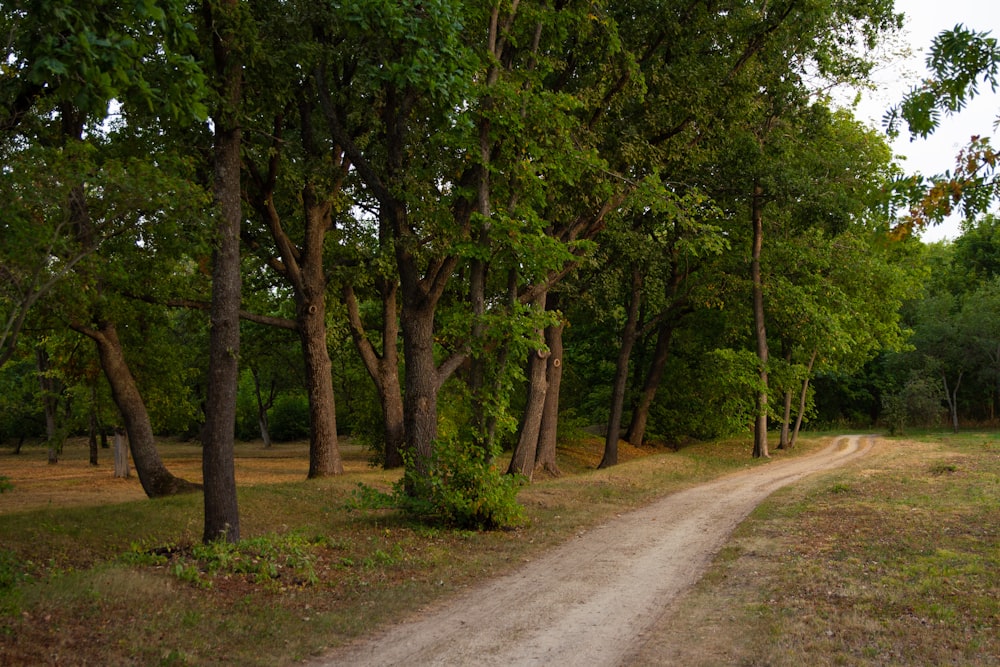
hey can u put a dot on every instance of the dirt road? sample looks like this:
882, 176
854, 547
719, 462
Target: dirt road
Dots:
590, 601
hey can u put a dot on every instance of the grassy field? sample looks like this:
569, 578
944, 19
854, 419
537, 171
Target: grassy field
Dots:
890, 561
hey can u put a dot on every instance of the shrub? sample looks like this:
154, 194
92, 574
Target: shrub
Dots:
290, 418
459, 489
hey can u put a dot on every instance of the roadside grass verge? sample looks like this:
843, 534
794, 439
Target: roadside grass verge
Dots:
892, 560
128, 582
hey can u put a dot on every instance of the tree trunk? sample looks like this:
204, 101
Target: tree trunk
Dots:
523, 460
50, 393
324, 449
156, 480
618, 385
263, 405
548, 430
952, 397
421, 385
760, 331
802, 400
92, 436
786, 415
383, 369
640, 415
121, 455
222, 520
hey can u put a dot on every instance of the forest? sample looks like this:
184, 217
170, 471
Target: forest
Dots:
449, 230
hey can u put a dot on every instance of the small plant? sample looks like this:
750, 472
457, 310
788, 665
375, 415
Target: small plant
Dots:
5, 484
277, 559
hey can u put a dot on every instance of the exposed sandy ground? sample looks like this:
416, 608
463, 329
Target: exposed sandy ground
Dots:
592, 600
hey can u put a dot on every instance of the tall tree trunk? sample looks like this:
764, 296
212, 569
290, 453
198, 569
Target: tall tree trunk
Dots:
421, 384
620, 381
640, 414
156, 480
548, 430
218, 435
802, 400
760, 331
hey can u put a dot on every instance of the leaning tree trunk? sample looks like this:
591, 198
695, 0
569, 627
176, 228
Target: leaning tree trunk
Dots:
802, 400
222, 519
760, 331
640, 415
620, 381
156, 480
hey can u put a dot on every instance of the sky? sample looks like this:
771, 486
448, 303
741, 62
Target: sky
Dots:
936, 154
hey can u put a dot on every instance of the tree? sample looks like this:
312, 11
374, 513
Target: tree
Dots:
74, 59
221, 509
960, 60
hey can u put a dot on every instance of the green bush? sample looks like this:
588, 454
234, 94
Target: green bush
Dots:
461, 488
290, 418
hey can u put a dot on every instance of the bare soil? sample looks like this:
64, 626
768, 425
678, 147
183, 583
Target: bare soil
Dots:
596, 599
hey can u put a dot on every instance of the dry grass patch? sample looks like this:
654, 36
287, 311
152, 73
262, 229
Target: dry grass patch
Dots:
890, 562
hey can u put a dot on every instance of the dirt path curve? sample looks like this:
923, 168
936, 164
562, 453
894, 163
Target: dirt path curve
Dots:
589, 601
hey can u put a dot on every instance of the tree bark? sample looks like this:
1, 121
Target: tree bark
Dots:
523, 460
324, 449
620, 381
760, 330
121, 455
548, 430
421, 384
156, 480
221, 509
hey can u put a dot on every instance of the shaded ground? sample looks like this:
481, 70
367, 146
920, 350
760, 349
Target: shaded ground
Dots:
592, 600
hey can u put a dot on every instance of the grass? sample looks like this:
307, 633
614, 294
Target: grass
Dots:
892, 561
87, 581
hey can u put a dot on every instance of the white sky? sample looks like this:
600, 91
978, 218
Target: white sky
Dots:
936, 154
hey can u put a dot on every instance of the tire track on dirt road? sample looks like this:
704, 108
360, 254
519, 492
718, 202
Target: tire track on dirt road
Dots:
589, 601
